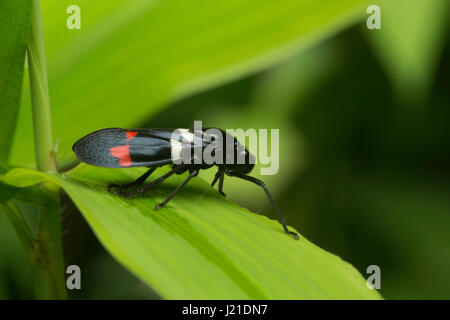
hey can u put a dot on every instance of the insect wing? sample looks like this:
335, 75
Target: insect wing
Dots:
120, 148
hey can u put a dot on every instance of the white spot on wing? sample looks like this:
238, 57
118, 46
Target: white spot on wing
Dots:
176, 149
187, 136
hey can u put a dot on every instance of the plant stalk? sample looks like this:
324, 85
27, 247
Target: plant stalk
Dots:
48, 276
43, 139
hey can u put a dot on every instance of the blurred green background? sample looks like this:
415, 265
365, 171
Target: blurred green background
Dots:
364, 125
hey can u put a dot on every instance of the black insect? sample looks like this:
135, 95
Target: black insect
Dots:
152, 148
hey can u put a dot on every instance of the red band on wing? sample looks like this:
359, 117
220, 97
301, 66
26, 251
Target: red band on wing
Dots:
123, 154
131, 135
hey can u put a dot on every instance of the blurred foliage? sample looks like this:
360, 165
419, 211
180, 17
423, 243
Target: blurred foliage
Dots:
409, 45
362, 174
14, 19
132, 57
383, 170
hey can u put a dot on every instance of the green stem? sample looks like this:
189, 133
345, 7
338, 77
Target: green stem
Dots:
43, 139
48, 276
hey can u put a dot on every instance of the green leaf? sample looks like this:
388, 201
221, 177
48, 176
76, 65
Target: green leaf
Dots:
409, 44
202, 246
14, 26
21, 177
131, 58
24, 190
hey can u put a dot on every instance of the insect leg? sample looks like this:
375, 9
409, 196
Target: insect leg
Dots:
216, 177
220, 174
121, 187
222, 177
162, 204
275, 206
147, 186
144, 177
